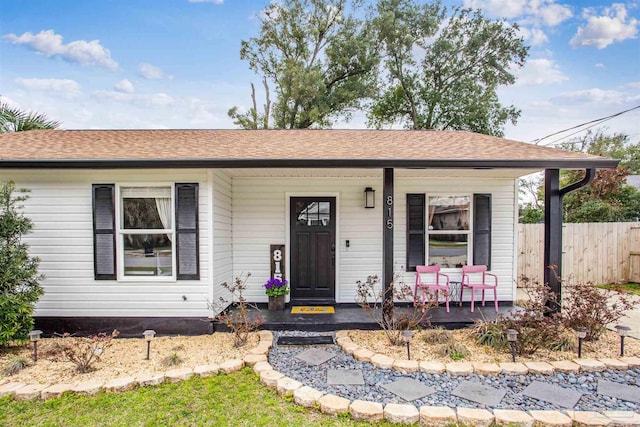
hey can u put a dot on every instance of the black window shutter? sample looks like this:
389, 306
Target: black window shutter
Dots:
104, 232
415, 230
188, 257
482, 229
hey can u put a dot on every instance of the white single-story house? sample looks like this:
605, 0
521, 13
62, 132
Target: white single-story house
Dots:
142, 226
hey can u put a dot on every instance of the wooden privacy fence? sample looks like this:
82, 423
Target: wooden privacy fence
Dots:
598, 252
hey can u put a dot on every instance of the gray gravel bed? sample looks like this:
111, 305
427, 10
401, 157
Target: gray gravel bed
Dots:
283, 359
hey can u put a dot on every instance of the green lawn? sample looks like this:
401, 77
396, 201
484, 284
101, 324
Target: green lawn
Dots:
631, 288
224, 400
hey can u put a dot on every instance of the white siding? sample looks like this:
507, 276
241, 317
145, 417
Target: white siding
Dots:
60, 206
222, 255
260, 206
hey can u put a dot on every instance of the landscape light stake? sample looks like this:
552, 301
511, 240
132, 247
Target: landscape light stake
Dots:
512, 337
148, 336
581, 333
34, 336
406, 337
622, 331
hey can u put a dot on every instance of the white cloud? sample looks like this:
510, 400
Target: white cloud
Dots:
535, 36
151, 72
61, 87
612, 26
541, 12
80, 51
207, 1
600, 65
596, 96
537, 72
634, 84
553, 14
502, 8
124, 86
141, 100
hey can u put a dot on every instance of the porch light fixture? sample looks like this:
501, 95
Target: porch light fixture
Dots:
512, 337
369, 198
148, 336
581, 333
34, 337
622, 331
406, 337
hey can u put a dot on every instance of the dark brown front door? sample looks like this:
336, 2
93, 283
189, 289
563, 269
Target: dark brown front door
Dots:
313, 249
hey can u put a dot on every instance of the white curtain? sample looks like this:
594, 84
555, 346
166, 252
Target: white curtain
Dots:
163, 204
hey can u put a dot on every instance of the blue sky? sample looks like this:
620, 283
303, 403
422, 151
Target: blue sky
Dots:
175, 63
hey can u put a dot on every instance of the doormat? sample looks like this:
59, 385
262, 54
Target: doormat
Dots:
312, 310
313, 340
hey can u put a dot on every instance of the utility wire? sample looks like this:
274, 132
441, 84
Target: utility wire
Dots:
592, 123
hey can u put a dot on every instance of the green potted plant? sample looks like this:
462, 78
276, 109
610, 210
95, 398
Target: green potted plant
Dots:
276, 289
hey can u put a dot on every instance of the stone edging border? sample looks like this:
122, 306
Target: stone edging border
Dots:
456, 369
335, 405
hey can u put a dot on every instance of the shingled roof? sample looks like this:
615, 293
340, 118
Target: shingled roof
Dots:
280, 148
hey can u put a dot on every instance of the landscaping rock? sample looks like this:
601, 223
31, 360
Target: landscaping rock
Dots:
206, 370
588, 418
232, 365
456, 369
146, 380
408, 366
432, 367
622, 418
307, 396
475, 417
437, 416
614, 363
366, 411
176, 375
401, 414
565, 366
30, 392
120, 384
88, 387
514, 368
550, 419
343, 341
252, 359
286, 386
342, 334
266, 336
632, 361
55, 390
10, 388
350, 348
512, 417
262, 348
334, 405
590, 365
543, 368
382, 361
483, 368
260, 367
363, 354
270, 378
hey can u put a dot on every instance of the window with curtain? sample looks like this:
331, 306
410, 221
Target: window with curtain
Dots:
146, 231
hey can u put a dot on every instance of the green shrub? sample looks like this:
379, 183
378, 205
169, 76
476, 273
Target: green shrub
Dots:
19, 279
173, 359
490, 333
15, 365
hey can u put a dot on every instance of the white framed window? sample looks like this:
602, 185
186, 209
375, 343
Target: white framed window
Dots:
145, 232
449, 230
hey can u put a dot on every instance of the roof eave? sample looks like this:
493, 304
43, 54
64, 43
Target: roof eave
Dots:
600, 163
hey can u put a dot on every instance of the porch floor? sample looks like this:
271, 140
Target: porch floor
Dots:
351, 316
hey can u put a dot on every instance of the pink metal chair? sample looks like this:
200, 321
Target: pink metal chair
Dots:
428, 279
475, 277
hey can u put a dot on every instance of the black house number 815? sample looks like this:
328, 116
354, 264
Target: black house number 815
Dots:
389, 212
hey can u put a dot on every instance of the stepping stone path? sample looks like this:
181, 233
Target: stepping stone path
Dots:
315, 356
560, 396
345, 377
479, 393
619, 391
409, 389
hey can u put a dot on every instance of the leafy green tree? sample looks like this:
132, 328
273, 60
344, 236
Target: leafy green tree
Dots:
320, 57
252, 119
19, 279
442, 70
16, 120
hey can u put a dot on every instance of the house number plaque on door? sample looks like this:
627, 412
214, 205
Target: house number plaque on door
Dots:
389, 221
277, 261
